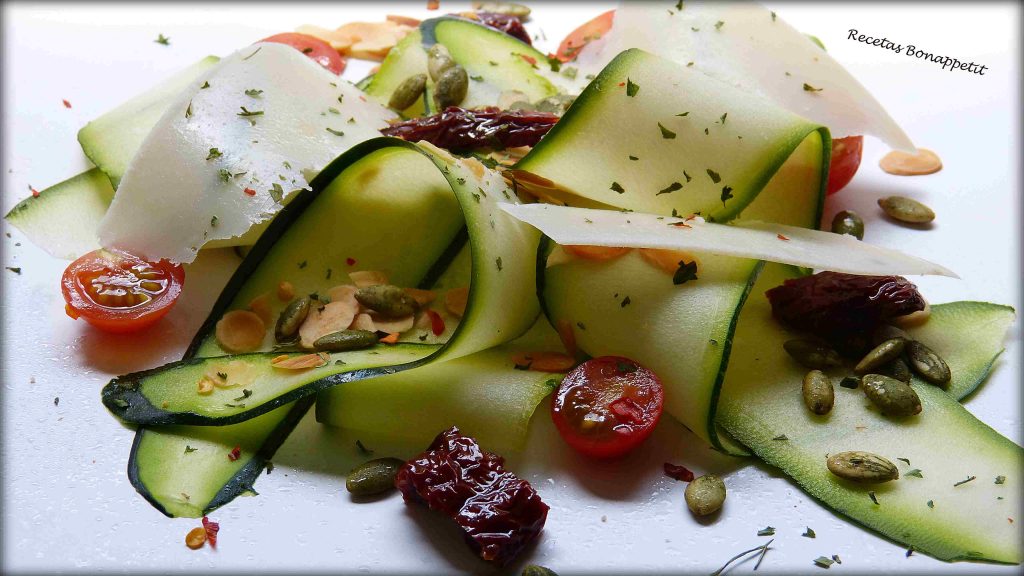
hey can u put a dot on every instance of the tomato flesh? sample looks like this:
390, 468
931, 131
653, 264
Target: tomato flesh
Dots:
316, 49
607, 406
118, 292
846, 153
583, 35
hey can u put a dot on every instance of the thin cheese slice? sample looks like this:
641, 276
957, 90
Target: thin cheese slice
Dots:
750, 47
229, 152
759, 240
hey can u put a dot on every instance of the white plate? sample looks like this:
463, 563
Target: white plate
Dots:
67, 504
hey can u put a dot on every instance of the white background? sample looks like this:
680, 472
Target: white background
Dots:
67, 504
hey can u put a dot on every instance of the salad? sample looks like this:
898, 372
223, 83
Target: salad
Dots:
623, 231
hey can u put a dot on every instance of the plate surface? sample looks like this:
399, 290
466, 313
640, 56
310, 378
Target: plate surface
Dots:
67, 504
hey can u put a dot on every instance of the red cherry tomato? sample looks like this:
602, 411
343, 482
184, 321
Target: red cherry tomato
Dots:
583, 35
118, 292
318, 50
607, 406
845, 161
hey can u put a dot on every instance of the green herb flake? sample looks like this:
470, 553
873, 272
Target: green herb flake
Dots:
633, 158
302, 264
766, 531
214, 153
341, 99
631, 88
224, 174
253, 53
809, 533
722, 119
15, 269
363, 449
477, 78
188, 110
726, 193
189, 449
873, 497
714, 176
570, 72
245, 394
666, 133
497, 262
773, 17
625, 302
836, 558
253, 92
823, 562
164, 40
213, 222
1000, 479
581, 325
907, 460
276, 192
931, 504
245, 113
670, 188
205, 85
333, 110
492, 62
965, 481
335, 132
679, 5
719, 24
682, 114
809, 88
781, 438
687, 176
916, 473
694, 28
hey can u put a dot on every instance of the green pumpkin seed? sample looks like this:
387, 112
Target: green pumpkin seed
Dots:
862, 467
906, 210
812, 354
345, 340
880, 355
438, 60
898, 369
534, 570
387, 300
291, 318
891, 396
408, 92
928, 364
507, 8
849, 223
373, 477
819, 395
705, 495
451, 87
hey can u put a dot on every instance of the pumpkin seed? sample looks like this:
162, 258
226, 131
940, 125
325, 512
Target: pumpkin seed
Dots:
451, 87
898, 369
880, 355
928, 364
819, 395
862, 467
345, 340
438, 60
534, 570
812, 354
387, 300
408, 92
705, 495
891, 395
848, 222
373, 477
507, 8
291, 319
906, 210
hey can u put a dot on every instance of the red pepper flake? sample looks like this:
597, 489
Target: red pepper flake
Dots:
66, 104
433, 4
235, 453
781, 237
677, 472
690, 217
621, 84
363, 98
529, 59
680, 225
35, 193
249, 192
436, 322
350, 261
211, 528
1010, 519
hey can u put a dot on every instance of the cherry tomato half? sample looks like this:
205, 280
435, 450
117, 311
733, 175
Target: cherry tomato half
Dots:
583, 35
318, 50
607, 406
845, 161
118, 292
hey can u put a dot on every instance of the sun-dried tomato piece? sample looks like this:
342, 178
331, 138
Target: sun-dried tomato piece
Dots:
499, 512
211, 528
678, 472
839, 306
460, 129
506, 23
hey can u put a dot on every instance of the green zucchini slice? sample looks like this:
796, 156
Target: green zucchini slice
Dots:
502, 302
761, 406
656, 137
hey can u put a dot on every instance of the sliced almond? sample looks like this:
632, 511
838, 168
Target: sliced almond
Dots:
366, 40
363, 322
231, 375
285, 291
544, 361
205, 386
240, 331
260, 305
396, 325
595, 252
364, 278
303, 362
567, 336
335, 316
455, 301
668, 260
404, 20
475, 167
343, 293
422, 297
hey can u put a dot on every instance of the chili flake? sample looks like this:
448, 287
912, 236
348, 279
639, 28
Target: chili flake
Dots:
350, 261
235, 453
781, 237
436, 323
211, 529
35, 193
66, 104
677, 472
249, 192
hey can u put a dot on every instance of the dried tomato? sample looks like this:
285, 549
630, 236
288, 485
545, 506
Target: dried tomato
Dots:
842, 307
499, 512
677, 472
211, 528
460, 129
506, 23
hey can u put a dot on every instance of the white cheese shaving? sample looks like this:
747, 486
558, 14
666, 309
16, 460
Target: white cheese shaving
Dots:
758, 240
750, 47
226, 157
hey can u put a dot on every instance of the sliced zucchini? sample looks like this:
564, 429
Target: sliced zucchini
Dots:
657, 137
501, 304
935, 512
111, 140
406, 59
